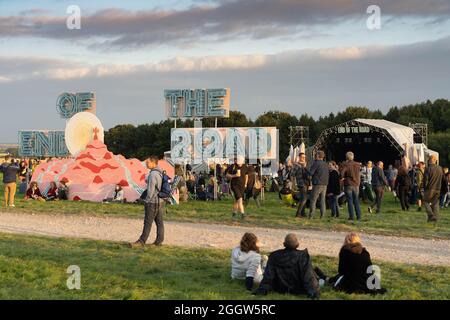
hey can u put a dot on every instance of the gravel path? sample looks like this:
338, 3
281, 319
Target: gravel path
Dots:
386, 248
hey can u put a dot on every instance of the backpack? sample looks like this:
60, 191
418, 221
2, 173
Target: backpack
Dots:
166, 189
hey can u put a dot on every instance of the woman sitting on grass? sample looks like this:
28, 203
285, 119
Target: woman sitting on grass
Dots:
33, 192
354, 274
246, 261
52, 193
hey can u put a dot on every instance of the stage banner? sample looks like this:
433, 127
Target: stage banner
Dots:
197, 145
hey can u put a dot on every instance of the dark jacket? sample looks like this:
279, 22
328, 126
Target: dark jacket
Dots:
378, 177
33, 194
433, 177
444, 186
9, 171
290, 271
353, 263
334, 183
351, 173
403, 181
301, 175
319, 173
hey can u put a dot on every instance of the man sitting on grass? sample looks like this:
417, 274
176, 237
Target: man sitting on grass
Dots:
290, 271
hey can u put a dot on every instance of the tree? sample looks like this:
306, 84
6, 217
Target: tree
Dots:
122, 140
281, 120
14, 152
439, 142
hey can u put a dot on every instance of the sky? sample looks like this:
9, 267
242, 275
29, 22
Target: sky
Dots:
298, 56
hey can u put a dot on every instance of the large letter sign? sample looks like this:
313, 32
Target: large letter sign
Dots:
42, 144
197, 103
69, 104
199, 145
48, 143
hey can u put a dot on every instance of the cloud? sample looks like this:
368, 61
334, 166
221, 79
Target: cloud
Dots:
24, 68
35, 11
4, 79
214, 20
315, 82
27, 68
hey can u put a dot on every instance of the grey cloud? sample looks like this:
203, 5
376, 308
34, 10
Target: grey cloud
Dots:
254, 19
298, 82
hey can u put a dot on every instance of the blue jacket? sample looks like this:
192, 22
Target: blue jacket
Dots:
319, 173
9, 171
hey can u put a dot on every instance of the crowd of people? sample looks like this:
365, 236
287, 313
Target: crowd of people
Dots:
302, 185
23, 170
290, 270
350, 181
238, 180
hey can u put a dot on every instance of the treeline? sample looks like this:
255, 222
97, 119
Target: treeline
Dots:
143, 140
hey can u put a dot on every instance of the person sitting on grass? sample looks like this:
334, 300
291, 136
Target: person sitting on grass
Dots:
355, 274
33, 192
52, 193
63, 190
117, 196
286, 194
246, 261
23, 186
290, 271
201, 193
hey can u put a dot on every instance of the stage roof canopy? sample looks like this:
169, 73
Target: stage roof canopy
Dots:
372, 138
402, 134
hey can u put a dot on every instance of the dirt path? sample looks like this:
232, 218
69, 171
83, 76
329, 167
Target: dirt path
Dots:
386, 248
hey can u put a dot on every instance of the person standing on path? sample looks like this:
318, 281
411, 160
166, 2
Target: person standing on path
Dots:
320, 177
10, 171
153, 204
351, 175
432, 184
379, 181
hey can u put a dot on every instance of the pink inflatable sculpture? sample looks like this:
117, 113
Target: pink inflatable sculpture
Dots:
94, 173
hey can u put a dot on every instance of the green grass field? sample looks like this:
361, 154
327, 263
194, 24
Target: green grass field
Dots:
35, 268
274, 214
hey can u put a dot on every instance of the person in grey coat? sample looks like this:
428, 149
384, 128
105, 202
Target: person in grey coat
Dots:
319, 175
154, 206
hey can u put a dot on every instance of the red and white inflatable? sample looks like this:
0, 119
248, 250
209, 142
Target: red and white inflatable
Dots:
94, 172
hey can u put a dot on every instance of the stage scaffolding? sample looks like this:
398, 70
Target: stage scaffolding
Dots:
422, 130
297, 135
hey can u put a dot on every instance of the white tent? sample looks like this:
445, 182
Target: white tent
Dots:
302, 148
404, 136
